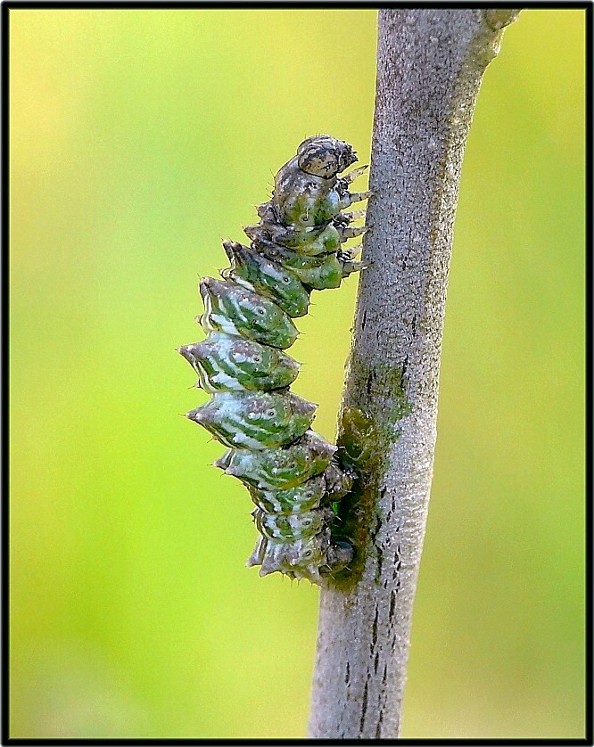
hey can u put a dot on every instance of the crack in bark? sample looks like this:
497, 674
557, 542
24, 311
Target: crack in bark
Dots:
363, 708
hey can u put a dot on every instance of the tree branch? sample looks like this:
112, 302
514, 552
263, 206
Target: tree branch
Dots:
430, 65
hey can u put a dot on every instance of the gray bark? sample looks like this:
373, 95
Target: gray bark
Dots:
430, 66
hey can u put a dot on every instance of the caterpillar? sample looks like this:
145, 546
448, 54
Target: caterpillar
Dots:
293, 475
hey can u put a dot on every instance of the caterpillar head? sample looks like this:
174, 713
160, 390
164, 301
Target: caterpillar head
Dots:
325, 156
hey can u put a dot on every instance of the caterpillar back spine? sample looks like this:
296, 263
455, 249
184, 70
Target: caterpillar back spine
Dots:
292, 474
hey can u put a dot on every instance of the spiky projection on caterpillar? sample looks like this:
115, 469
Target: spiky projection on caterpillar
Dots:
293, 474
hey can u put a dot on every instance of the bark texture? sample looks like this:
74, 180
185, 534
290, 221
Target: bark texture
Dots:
430, 66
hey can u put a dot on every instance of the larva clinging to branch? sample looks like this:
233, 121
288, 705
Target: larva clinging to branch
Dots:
293, 474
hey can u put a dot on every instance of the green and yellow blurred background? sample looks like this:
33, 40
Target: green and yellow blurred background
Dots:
140, 139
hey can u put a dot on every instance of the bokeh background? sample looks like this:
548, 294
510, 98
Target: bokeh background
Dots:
140, 139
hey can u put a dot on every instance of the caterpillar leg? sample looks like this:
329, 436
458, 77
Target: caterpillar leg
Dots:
340, 554
354, 215
356, 197
354, 174
348, 263
352, 231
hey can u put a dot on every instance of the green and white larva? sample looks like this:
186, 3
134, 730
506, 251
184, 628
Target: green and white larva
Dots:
292, 473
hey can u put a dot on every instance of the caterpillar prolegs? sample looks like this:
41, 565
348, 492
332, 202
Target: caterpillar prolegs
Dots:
293, 474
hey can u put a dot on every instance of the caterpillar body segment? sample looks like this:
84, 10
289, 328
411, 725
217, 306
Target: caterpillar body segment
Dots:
291, 472
227, 363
